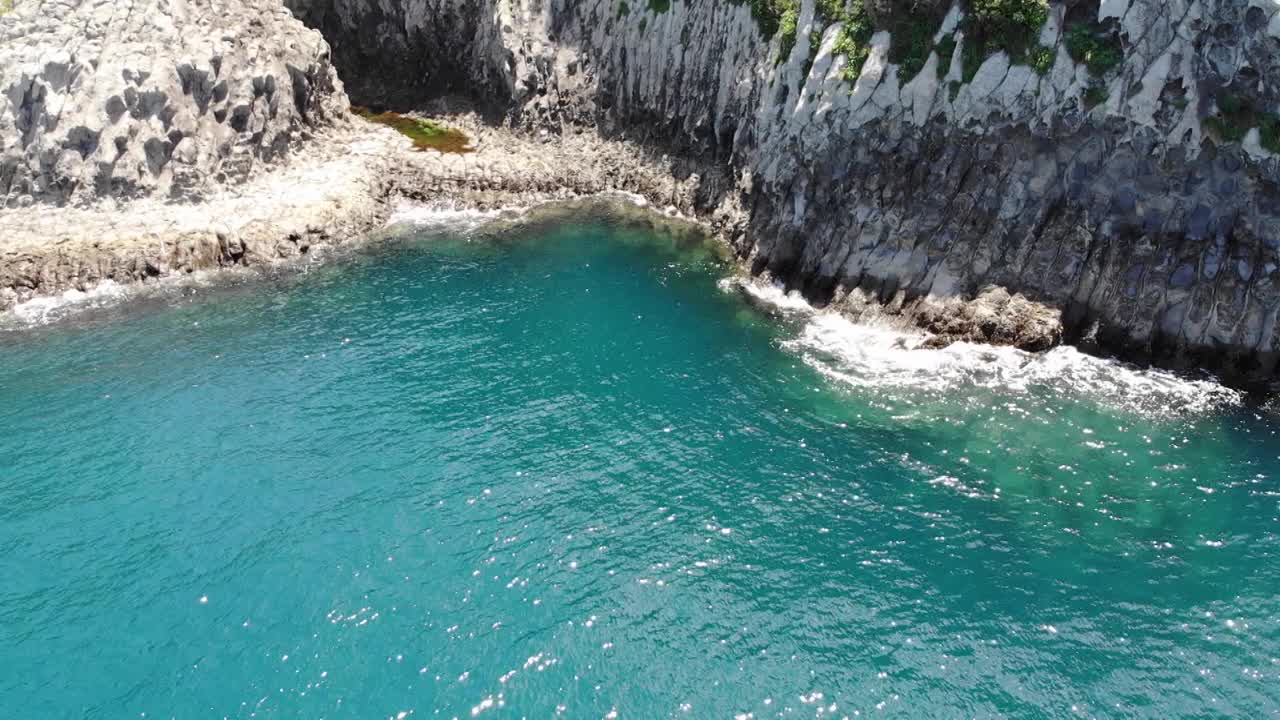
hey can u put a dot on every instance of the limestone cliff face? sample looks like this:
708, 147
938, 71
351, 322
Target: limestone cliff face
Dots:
1107, 197
128, 98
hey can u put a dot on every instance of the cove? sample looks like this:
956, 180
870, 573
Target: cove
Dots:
574, 469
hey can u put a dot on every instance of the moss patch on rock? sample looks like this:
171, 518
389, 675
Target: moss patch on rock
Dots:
425, 134
1236, 115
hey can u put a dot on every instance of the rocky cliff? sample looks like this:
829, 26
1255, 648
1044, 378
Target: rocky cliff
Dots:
1115, 161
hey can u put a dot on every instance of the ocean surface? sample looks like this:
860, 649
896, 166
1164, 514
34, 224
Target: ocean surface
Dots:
577, 469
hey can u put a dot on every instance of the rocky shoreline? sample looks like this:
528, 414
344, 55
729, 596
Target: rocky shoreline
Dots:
974, 191
345, 185
337, 191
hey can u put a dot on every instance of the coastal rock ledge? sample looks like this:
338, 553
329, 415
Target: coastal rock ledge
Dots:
1105, 173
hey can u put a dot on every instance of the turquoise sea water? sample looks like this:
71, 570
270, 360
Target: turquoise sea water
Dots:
570, 472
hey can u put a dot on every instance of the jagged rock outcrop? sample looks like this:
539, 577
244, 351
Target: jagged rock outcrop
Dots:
134, 98
1110, 197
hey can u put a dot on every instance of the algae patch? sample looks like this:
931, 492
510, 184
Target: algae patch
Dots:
425, 134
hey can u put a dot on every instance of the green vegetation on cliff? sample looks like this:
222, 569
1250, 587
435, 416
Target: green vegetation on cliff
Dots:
787, 26
1095, 45
910, 38
854, 40
1013, 26
768, 13
1042, 59
1236, 115
988, 27
1095, 94
946, 49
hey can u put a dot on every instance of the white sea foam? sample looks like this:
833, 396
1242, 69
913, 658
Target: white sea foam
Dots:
47, 309
446, 217
634, 198
867, 356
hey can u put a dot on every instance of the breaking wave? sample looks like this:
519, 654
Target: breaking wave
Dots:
48, 309
446, 217
108, 294
463, 219
867, 356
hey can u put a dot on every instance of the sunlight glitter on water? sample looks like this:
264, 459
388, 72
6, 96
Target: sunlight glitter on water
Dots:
556, 473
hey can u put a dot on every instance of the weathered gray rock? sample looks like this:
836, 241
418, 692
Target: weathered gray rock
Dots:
1151, 237
1127, 226
130, 98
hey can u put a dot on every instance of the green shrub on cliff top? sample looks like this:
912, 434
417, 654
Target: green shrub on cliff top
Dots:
1042, 59
787, 27
1094, 45
828, 10
767, 14
1009, 25
659, 6
989, 26
854, 39
910, 41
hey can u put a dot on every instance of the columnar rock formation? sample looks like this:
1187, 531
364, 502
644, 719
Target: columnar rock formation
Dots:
1137, 195
130, 98
1106, 196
